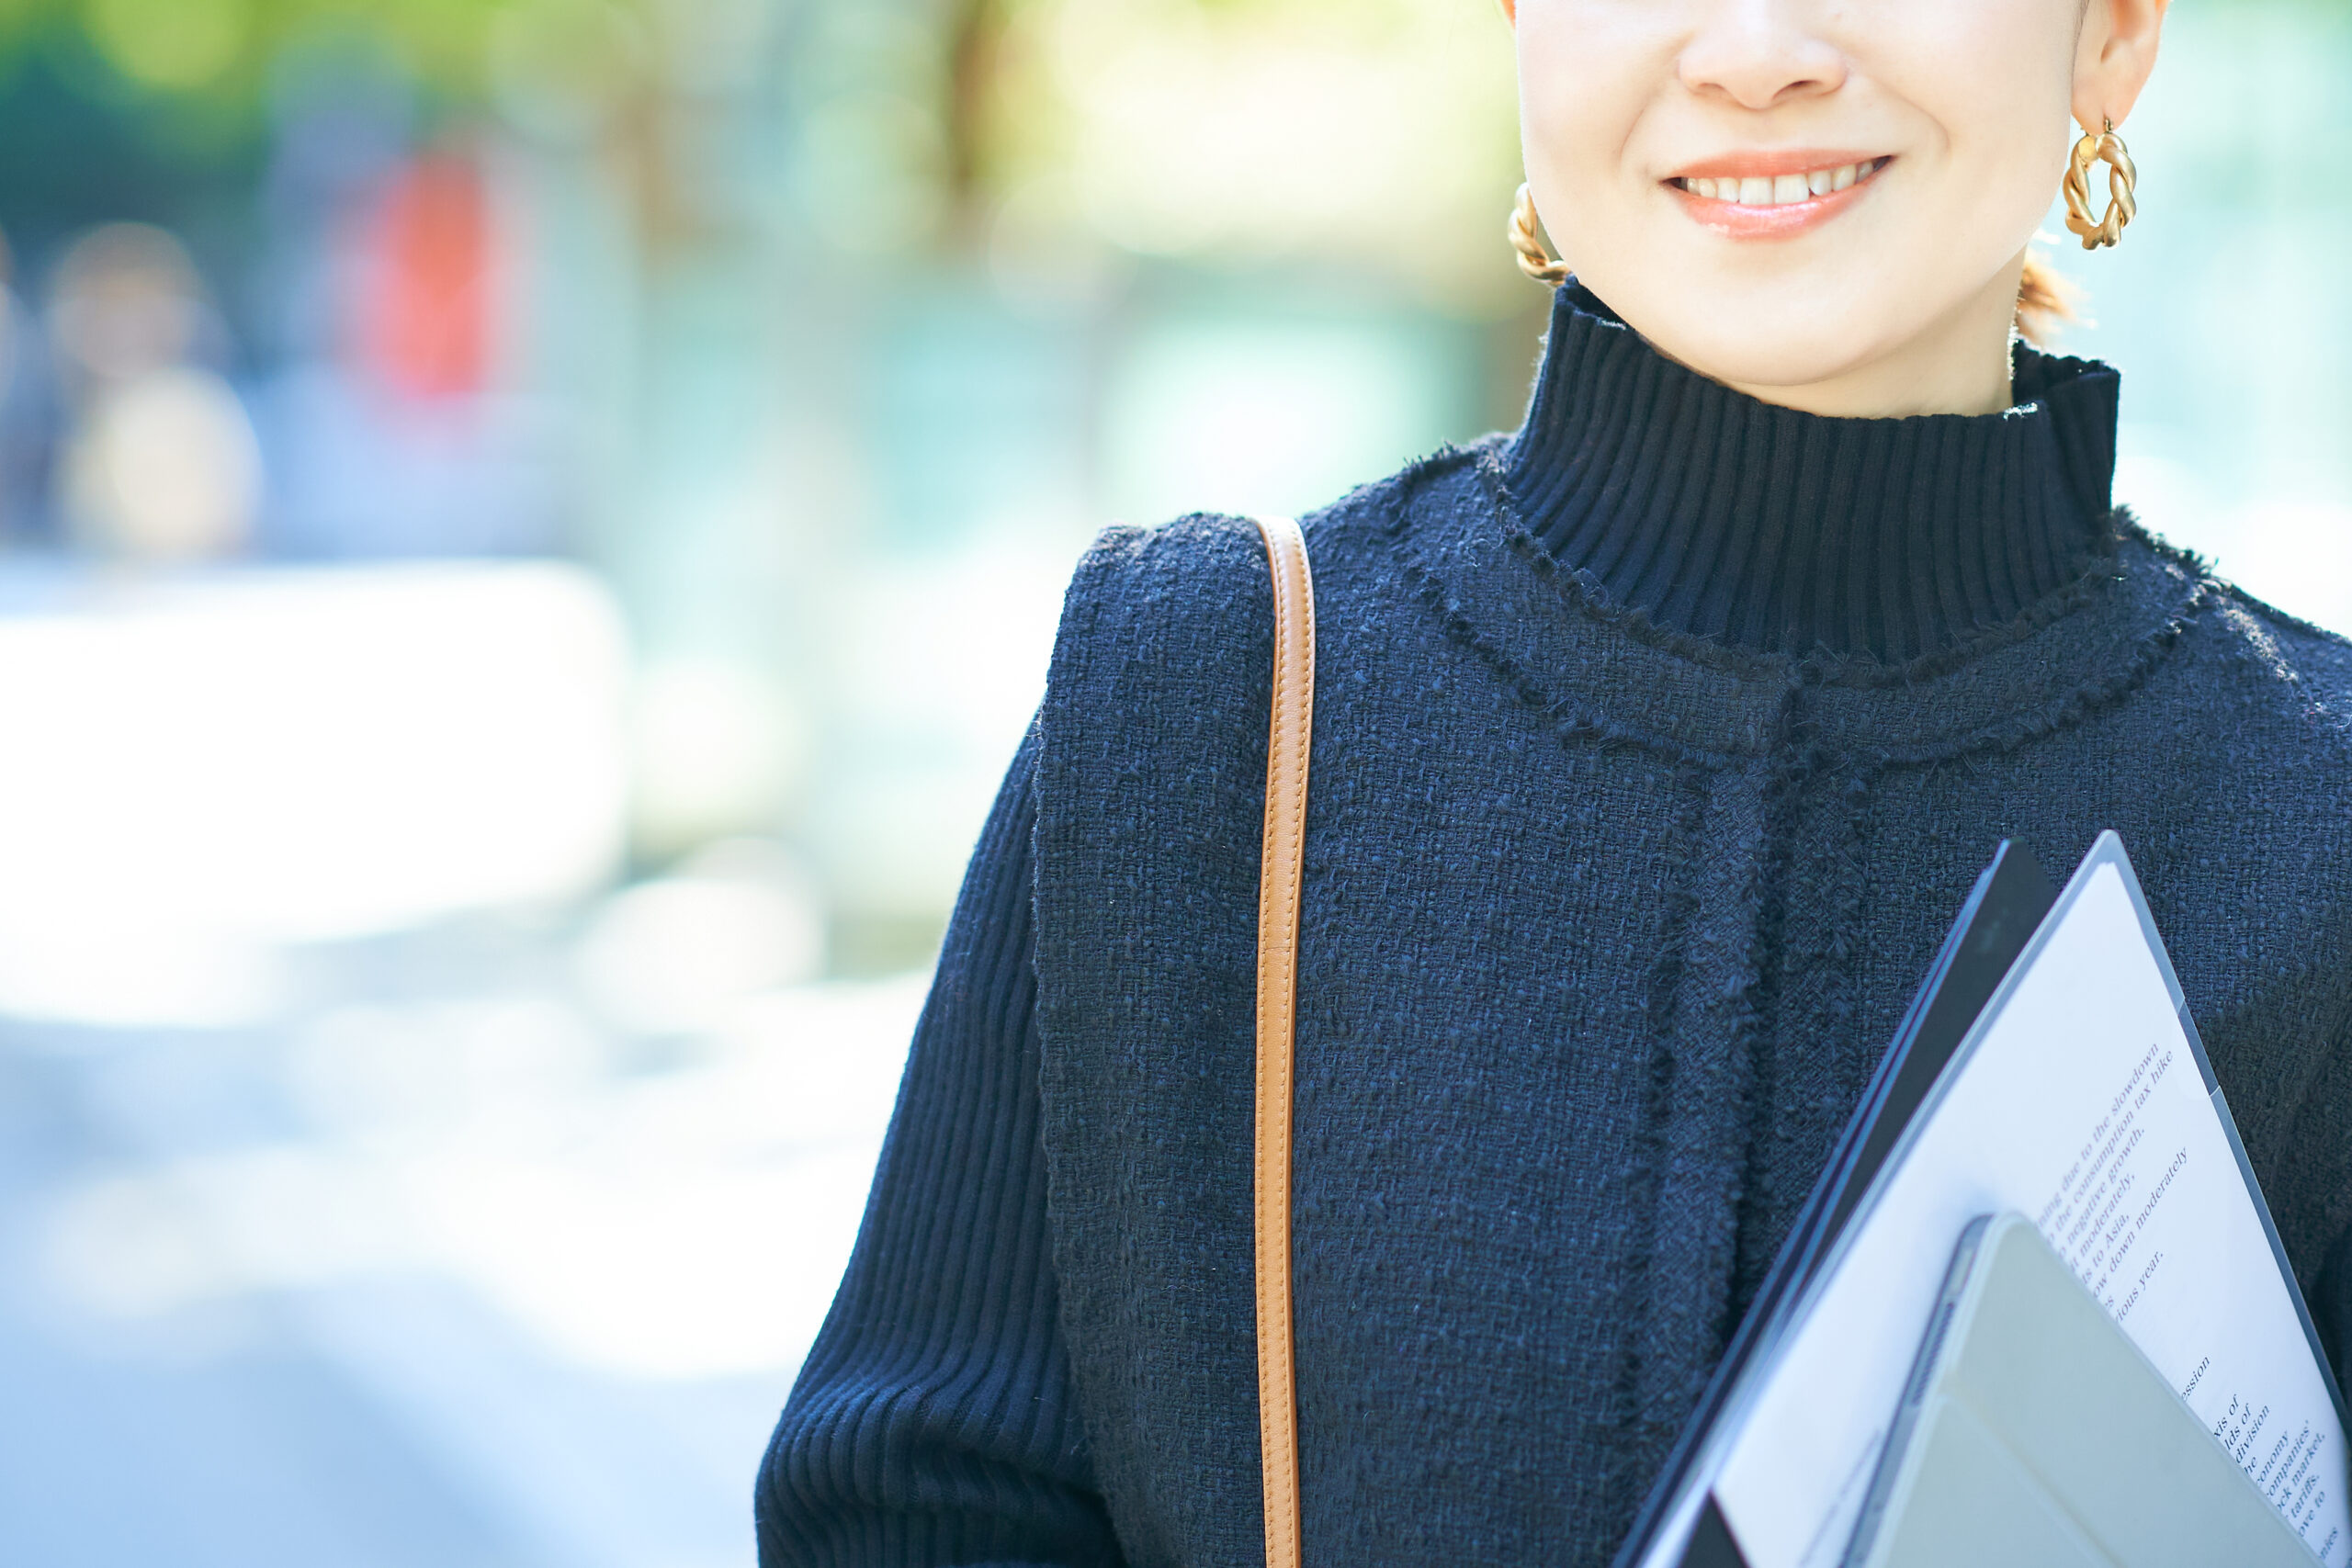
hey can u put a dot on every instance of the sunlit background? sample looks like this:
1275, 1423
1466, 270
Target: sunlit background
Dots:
531, 531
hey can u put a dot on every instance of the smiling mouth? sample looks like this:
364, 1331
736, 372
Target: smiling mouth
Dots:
1780, 190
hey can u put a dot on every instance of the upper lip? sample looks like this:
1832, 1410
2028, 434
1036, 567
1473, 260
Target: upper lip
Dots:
1764, 165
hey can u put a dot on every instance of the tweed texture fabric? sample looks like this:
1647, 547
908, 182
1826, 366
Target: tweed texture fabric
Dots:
1605, 923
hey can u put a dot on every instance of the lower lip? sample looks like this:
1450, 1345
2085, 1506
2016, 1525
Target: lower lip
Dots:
1741, 222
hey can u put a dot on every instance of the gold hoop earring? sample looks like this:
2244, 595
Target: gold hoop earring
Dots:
2121, 177
1534, 259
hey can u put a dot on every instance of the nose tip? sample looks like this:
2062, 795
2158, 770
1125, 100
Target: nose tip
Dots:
1758, 57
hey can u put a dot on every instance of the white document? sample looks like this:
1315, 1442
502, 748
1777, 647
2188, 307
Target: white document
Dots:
2078, 1100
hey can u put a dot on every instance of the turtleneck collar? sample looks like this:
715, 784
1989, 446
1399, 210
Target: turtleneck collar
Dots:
1765, 529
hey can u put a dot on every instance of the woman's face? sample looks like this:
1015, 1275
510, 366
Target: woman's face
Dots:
1798, 195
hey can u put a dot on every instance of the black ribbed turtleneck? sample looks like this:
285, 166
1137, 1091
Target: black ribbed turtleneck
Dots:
1769, 529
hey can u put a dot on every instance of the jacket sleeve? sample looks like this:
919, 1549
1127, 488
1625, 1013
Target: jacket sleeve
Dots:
933, 1421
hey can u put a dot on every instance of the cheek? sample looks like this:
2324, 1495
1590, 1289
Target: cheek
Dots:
1995, 78
1587, 70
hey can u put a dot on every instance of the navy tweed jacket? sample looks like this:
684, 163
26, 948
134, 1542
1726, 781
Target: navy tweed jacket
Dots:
1604, 927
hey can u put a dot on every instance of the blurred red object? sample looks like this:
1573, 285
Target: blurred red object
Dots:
425, 301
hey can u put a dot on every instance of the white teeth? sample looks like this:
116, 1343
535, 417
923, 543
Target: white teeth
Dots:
1779, 190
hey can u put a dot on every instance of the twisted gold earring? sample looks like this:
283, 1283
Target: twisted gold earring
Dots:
2121, 177
1534, 259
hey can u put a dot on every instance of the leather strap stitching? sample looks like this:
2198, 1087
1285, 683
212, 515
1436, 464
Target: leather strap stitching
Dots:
1289, 735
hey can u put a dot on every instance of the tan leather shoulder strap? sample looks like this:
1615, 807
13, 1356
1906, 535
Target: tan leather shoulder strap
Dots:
1288, 742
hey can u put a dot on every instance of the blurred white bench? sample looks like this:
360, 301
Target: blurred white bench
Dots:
199, 766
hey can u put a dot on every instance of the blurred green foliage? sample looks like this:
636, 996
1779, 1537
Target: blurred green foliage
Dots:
224, 47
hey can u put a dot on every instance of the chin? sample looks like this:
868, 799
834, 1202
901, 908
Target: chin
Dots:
1769, 337
1787, 358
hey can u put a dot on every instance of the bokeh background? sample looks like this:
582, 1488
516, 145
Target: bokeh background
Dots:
528, 532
